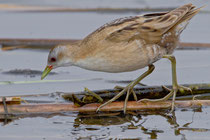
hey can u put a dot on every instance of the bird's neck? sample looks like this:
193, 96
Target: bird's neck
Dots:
73, 52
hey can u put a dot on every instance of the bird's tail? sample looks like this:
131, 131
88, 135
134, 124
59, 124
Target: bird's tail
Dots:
161, 23
183, 22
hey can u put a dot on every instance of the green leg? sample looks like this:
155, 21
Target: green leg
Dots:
175, 86
134, 94
129, 89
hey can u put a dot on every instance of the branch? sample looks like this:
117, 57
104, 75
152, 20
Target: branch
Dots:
14, 43
149, 92
27, 8
115, 106
143, 92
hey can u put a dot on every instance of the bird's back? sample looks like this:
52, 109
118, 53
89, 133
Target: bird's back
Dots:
150, 27
142, 40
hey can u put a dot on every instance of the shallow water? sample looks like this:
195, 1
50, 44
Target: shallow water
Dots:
193, 66
184, 124
190, 69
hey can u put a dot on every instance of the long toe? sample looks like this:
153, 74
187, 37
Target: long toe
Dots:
166, 88
183, 89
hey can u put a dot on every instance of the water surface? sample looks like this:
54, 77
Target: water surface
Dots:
193, 66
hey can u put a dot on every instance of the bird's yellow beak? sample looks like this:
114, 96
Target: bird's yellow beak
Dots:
46, 71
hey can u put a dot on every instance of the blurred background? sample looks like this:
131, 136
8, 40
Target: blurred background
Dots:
28, 28
72, 19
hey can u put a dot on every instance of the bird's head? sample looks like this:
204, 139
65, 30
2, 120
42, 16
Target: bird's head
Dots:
59, 56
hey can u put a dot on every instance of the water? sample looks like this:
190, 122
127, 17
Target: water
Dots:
184, 124
192, 67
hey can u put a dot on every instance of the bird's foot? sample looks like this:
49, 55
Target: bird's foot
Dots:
173, 92
180, 88
128, 90
131, 90
166, 88
183, 89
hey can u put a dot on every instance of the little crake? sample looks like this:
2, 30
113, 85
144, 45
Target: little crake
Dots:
128, 44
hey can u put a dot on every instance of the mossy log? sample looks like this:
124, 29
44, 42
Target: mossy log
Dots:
149, 92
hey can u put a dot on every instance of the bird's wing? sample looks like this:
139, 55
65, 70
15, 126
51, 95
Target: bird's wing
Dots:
149, 27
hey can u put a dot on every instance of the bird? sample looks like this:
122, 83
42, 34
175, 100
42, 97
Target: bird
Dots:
128, 44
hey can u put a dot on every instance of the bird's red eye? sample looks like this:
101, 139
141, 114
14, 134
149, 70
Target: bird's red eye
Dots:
52, 59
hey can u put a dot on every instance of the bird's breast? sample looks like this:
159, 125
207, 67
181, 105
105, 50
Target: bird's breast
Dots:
121, 57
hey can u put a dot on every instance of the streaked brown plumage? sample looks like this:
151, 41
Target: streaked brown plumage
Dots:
127, 44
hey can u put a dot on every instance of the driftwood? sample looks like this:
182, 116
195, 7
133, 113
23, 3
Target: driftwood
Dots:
115, 106
27, 8
16, 8
143, 92
9, 44
15, 43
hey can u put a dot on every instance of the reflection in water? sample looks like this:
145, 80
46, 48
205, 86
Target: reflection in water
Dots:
133, 120
106, 119
4, 120
135, 125
25, 72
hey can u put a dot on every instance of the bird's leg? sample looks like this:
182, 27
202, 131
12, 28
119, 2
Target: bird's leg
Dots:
175, 86
121, 88
129, 89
